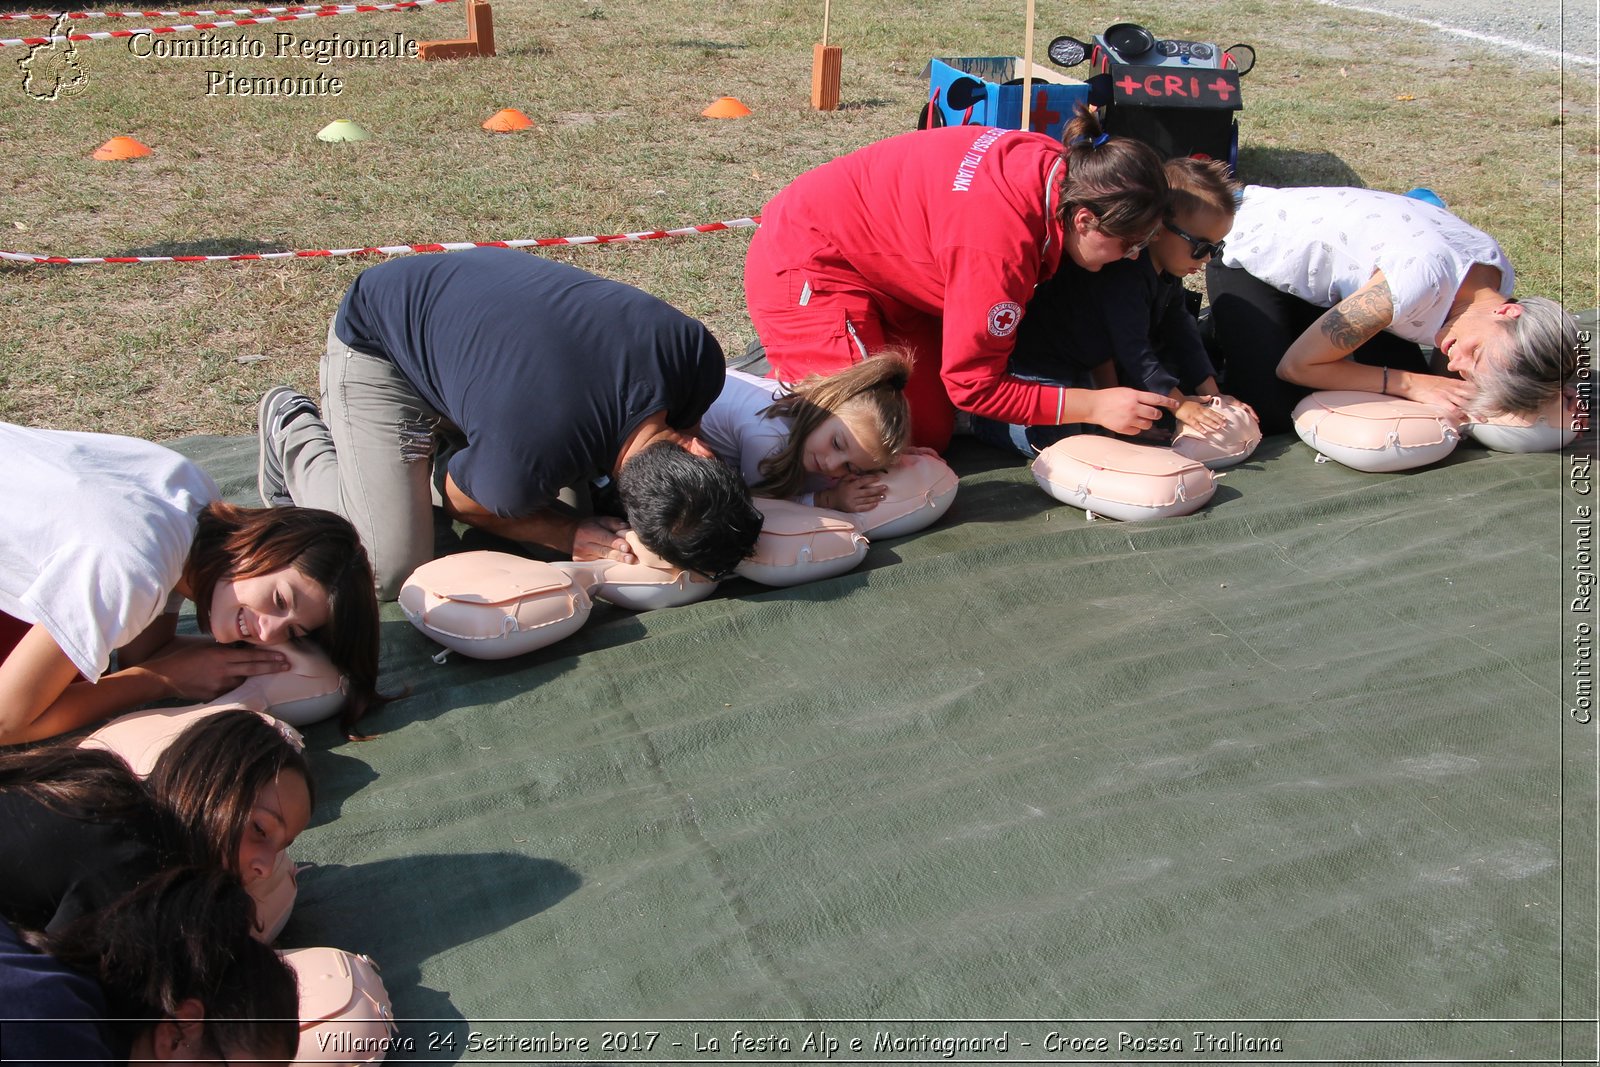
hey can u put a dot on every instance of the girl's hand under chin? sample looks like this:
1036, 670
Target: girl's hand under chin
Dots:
855, 492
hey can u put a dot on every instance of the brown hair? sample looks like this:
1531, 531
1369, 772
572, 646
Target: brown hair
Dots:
875, 386
185, 935
1200, 185
1117, 179
79, 783
211, 774
233, 542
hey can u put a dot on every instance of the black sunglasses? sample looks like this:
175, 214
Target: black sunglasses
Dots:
1199, 247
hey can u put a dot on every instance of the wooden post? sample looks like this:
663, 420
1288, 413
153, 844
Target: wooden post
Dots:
478, 42
826, 62
1027, 70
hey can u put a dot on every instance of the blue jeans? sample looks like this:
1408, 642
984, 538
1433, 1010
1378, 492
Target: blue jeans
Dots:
1031, 440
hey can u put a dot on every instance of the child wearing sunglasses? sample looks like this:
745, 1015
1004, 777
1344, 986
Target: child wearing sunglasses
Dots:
1130, 323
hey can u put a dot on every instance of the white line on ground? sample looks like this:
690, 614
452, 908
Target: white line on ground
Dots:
1485, 38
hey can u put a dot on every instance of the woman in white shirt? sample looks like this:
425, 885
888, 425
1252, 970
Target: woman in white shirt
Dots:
1336, 288
102, 539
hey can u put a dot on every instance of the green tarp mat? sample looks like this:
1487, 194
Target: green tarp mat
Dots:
1296, 778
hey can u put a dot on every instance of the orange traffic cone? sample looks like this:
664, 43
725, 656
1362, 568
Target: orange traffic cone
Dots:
507, 120
121, 148
727, 107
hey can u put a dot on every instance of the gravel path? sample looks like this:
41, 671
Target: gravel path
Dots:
1547, 30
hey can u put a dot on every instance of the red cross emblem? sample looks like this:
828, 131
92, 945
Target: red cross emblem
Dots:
1003, 318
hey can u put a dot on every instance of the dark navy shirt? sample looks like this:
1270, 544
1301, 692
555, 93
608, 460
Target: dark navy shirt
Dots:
545, 368
55, 867
1126, 311
49, 1012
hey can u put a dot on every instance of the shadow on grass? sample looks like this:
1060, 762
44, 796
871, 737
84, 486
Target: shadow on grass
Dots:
215, 246
1284, 166
711, 46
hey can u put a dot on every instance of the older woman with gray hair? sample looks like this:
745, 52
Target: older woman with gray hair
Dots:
1344, 288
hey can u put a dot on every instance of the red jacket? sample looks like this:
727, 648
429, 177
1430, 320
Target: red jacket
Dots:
957, 223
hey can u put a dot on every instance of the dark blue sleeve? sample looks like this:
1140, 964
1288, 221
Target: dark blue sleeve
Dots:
1125, 295
1177, 335
48, 1012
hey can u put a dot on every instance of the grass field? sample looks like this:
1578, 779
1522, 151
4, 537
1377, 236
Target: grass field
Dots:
615, 88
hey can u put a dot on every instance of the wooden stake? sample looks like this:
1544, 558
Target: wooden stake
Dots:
478, 42
827, 62
1027, 69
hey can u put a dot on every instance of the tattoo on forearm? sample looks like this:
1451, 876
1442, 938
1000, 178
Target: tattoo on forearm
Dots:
1353, 321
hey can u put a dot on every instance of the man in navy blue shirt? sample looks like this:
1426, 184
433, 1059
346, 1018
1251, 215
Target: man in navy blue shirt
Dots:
543, 376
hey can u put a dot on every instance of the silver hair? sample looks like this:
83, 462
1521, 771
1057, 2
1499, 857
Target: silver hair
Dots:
1542, 346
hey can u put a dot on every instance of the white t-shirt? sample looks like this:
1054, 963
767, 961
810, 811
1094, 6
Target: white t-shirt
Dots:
1322, 244
94, 535
741, 437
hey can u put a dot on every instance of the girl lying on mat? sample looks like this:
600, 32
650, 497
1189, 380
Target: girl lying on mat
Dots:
166, 972
1129, 322
103, 537
821, 441
78, 828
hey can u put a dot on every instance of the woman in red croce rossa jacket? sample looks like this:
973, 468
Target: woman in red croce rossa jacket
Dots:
934, 240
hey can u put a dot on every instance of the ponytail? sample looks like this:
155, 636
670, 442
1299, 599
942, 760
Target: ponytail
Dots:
1118, 180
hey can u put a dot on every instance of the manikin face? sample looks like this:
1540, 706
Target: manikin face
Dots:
835, 449
1174, 254
1478, 339
268, 609
282, 810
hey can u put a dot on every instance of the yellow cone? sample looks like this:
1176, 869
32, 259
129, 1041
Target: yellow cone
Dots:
121, 148
343, 130
727, 107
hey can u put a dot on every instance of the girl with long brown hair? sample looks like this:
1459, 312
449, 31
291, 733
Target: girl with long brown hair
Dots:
167, 972
78, 827
102, 540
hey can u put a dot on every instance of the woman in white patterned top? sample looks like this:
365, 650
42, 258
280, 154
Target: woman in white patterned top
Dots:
1343, 288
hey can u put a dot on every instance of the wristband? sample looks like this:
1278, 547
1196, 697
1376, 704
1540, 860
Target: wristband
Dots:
1061, 404
1384, 388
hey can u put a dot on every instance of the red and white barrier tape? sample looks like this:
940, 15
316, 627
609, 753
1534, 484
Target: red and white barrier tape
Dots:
320, 13
7, 16
394, 250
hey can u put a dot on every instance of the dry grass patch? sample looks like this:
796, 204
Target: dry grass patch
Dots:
615, 89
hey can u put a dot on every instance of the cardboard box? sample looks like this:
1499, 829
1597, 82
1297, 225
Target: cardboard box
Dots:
1055, 95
